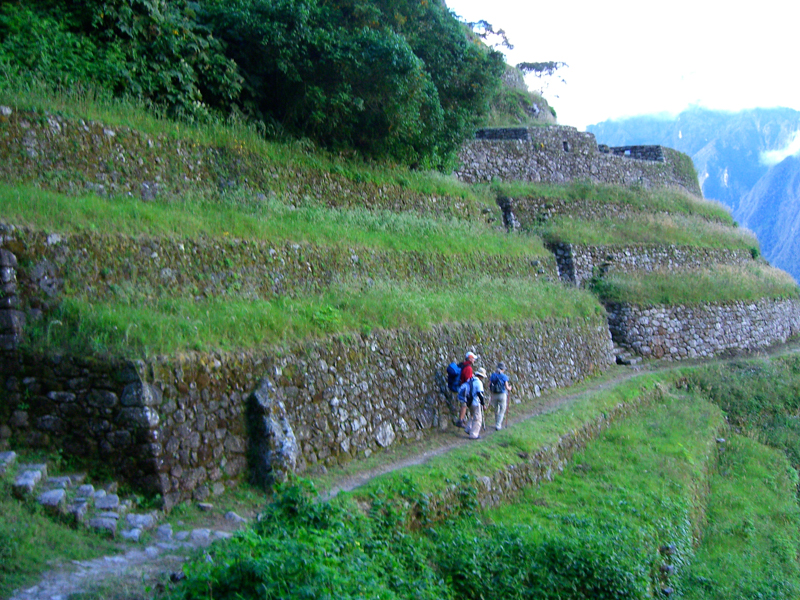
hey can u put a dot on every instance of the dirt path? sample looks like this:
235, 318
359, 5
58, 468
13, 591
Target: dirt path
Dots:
445, 441
131, 571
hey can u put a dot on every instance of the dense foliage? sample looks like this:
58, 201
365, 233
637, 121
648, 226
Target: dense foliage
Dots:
302, 548
396, 81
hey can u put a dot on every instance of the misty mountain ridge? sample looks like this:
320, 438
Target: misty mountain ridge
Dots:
747, 160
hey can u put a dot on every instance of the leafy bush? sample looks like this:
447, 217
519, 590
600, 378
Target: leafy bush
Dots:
301, 548
514, 562
397, 81
148, 49
37, 44
393, 80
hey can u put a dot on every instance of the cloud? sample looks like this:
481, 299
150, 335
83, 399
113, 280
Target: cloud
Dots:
773, 157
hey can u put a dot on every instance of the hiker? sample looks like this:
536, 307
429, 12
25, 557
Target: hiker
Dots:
466, 375
473, 394
500, 386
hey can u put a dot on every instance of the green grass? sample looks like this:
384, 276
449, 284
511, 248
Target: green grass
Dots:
163, 326
508, 109
722, 284
510, 446
680, 230
659, 200
634, 489
462, 557
761, 398
750, 547
633, 475
32, 542
233, 135
245, 216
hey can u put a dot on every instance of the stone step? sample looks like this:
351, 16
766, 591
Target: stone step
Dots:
27, 478
101, 509
7, 460
625, 357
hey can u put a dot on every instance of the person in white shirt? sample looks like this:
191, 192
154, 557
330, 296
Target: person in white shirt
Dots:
474, 395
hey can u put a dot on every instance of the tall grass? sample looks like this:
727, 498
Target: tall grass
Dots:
760, 397
681, 230
30, 542
645, 200
141, 326
749, 283
231, 133
751, 544
247, 216
632, 491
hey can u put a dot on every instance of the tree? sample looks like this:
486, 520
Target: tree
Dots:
542, 70
393, 79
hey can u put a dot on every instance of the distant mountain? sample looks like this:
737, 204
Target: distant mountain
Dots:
728, 149
772, 210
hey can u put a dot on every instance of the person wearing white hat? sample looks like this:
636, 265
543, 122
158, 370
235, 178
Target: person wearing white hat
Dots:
466, 375
473, 392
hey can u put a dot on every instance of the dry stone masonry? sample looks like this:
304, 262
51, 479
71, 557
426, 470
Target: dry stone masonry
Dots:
80, 156
531, 211
177, 426
560, 154
578, 263
703, 331
189, 426
208, 267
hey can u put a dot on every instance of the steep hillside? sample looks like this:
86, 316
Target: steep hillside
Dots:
772, 210
188, 309
726, 147
729, 151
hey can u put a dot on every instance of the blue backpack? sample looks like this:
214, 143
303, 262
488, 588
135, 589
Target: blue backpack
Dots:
453, 376
497, 383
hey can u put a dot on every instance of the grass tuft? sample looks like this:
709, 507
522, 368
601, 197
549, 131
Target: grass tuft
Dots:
722, 284
137, 326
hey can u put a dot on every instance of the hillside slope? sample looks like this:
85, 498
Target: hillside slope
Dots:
728, 150
772, 210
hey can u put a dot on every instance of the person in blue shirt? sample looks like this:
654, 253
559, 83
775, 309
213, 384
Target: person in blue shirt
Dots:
500, 386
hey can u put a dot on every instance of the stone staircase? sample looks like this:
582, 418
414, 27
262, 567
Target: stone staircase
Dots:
98, 508
624, 357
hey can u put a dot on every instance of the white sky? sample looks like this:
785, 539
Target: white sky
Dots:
631, 57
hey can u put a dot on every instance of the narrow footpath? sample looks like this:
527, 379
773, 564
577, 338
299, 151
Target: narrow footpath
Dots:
148, 565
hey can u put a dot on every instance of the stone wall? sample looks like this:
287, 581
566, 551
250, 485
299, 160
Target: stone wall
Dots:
563, 154
99, 264
79, 156
577, 263
532, 211
504, 133
685, 332
639, 152
176, 425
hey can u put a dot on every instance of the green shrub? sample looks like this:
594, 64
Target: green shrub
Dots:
156, 51
517, 562
36, 44
301, 548
396, 81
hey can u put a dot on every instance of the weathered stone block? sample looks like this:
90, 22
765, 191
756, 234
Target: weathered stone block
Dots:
273, 447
